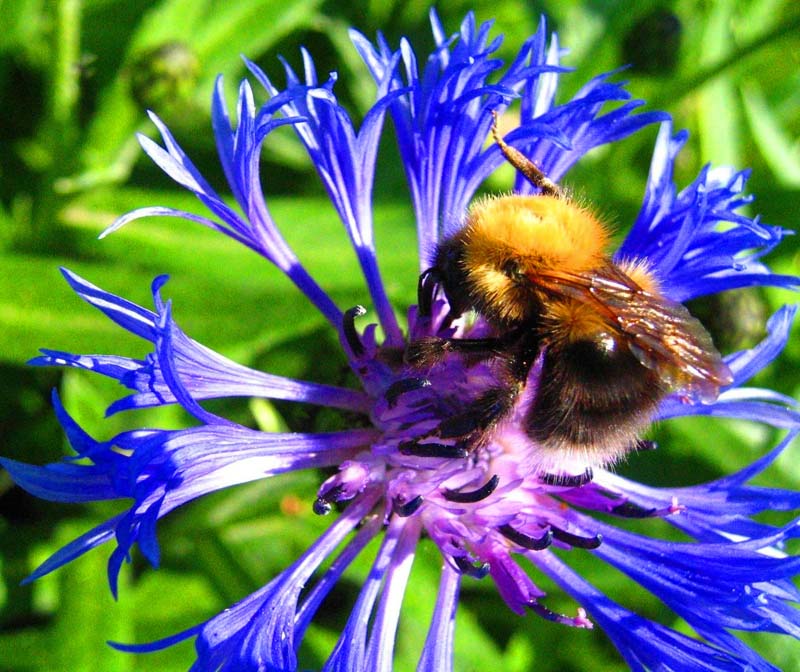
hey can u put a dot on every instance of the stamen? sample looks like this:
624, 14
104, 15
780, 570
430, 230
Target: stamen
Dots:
579, 621
631, 510
526, 541
403, 386
476, 571
575, 541
568, 480
323, 505
426, 286
409, 508
472, 496
432, 450
349, 328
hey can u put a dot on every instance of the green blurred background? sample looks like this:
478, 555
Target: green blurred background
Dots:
75, 80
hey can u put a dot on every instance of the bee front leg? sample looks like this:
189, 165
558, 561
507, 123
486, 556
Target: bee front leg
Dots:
481, 415
426, 352
431, 350
468, 428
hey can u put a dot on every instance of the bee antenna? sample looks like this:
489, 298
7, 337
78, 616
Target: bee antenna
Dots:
523, 164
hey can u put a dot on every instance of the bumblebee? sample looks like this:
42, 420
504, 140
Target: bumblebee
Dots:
610, 345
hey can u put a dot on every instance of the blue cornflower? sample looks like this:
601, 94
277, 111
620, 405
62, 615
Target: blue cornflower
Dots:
490, 513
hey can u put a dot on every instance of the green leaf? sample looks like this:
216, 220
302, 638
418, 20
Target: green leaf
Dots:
23, 26
779, 149
250, 28
717, 103
162, 603
216, 34
76, 638
223, 294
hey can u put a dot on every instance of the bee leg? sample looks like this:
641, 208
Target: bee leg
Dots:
481, 415
431, 350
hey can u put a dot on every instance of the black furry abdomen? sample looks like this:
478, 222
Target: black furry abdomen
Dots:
592, 400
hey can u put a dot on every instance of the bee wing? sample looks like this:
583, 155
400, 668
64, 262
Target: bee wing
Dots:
661, 334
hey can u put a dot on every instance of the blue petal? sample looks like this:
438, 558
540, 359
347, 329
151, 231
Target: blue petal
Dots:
696, 240
258, 632
345, 161
200, 371
735, 406
128, 315
77, 547
350, 651
644, 644
745, 364
316, 594
444, 119
61, 482
240, 153
380, 649
720, 510
712, 583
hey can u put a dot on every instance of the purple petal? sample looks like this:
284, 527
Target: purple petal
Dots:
644, 644
198, 370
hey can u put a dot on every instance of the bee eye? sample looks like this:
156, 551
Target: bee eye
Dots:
511, 269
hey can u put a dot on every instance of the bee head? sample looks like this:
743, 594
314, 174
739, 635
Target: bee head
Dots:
506, 242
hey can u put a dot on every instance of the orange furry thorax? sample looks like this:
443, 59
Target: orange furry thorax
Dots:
529, 236
539, 232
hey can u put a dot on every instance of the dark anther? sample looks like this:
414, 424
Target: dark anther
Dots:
432, 450
402, 386
631, 510
526, 541
473, 495
409, 508
322, 507
576, 541
426, 286
324, 503
476, 571
349, 327
568, 481
643, 445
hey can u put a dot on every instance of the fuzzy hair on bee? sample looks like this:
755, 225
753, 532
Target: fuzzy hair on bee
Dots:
538, 270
